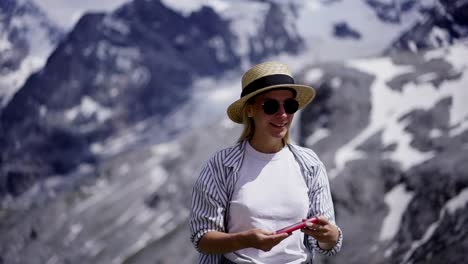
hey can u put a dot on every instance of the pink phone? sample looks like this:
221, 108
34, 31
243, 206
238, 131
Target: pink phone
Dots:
296, 226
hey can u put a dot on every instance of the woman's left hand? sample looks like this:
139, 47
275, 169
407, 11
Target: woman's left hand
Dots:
323, 231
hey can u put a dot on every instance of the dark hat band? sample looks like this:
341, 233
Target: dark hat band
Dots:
269, 80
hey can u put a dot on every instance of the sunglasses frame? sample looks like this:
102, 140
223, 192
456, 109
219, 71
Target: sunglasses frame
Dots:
276, 106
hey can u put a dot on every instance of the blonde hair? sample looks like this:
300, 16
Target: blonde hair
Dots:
249, 125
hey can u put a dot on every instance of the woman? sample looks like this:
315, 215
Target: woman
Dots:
263, 183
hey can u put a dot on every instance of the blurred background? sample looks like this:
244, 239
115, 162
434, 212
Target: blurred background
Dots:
108, 109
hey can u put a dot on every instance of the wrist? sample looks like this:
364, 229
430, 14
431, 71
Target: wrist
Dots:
243, 240
330, 244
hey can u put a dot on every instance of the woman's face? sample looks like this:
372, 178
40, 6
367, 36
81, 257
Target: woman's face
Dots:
274, 125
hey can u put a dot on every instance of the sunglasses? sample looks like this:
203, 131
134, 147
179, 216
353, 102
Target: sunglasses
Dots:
271, 106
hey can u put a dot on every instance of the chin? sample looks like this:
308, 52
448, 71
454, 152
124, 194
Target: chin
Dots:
279, 135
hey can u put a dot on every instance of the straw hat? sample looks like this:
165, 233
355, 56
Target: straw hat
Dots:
266, 76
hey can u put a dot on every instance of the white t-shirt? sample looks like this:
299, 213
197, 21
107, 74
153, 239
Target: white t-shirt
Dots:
270, 194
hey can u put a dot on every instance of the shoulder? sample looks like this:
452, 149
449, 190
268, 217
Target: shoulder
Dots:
218, 167
307, 155
227, 156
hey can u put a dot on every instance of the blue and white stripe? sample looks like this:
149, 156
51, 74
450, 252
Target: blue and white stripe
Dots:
215, 185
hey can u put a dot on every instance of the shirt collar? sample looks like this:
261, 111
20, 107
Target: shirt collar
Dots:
235, 155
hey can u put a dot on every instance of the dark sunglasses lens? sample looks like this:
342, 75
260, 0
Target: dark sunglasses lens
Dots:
291, 106
270, 107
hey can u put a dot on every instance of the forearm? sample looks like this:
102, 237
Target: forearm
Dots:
215, 242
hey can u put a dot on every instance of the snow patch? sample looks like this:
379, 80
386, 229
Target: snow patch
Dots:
88, 107
67, 13
435, 133
42, 111
158, 176
116, 24
435, 54
427, 77
459, 128
186, 7
397, 200
318, 135
336, 82
439, 37
97, 148
5, 44
459, 202
126, 58
313, 76
218, 44
75, 230
167, 150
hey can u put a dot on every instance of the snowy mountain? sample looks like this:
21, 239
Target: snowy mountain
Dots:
113, 71
99, 149
27, 37
393, 133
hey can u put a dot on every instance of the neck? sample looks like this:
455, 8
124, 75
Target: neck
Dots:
265, 145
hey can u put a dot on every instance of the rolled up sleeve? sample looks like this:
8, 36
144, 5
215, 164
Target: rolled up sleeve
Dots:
322, 204
207, 211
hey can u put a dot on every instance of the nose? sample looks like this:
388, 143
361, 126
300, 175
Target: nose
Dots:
281, 110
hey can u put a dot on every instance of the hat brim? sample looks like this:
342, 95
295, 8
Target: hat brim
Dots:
304, 95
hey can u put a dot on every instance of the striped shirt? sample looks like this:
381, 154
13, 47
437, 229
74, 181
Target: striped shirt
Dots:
215, 185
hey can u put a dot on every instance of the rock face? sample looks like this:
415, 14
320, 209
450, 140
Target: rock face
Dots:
343, 30
443, 24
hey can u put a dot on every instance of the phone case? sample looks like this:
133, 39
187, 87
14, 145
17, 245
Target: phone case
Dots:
296, 226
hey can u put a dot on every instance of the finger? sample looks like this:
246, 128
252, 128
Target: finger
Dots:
272, 233
316, 228
312, 226
312, 233
322, 220
280, 235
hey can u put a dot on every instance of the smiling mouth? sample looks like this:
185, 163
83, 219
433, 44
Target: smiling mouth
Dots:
279, 125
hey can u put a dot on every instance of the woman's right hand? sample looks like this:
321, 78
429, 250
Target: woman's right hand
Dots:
262, 239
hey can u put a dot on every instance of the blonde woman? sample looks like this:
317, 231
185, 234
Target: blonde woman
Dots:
247, 192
